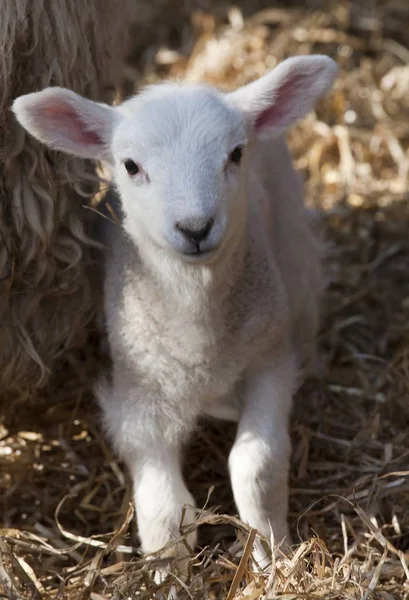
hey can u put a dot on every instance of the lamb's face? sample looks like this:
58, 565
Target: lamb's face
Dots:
179, 166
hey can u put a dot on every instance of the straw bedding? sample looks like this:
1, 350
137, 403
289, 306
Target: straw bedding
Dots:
67, 527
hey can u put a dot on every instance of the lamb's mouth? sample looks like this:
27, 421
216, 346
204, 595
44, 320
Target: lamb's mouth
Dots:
199, 255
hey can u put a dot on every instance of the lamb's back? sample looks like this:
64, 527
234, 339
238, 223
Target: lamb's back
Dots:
296, 248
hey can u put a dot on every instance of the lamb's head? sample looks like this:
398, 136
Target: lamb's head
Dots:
179, 153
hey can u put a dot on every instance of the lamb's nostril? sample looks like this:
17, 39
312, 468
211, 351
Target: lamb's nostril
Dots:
195, 230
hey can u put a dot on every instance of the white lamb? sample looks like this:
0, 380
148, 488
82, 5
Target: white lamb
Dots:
212, 281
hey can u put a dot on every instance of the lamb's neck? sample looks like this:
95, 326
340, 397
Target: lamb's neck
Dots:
197, 287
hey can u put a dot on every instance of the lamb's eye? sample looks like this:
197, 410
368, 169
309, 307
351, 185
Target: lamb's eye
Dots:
236, 155
131, 167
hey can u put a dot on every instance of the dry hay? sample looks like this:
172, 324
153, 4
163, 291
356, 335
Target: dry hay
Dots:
68, 530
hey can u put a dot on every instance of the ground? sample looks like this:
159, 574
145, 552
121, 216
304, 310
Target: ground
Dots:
67, 528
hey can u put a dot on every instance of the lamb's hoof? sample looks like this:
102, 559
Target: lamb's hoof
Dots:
160, 577
262, 555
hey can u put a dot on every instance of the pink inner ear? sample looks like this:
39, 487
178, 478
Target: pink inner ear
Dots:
282, 103
67, 117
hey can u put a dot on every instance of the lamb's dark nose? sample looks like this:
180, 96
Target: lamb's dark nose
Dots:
195, 230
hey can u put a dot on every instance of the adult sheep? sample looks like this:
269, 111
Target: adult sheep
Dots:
46, 292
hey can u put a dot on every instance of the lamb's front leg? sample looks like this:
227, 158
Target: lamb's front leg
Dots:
149, 435
259, 460
160, 495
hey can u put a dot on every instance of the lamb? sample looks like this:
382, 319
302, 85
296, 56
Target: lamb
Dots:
212, 279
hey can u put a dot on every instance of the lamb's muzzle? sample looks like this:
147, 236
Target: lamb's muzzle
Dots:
195, 231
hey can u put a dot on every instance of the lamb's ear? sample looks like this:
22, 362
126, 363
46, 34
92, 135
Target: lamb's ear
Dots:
63, 120
286, 94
